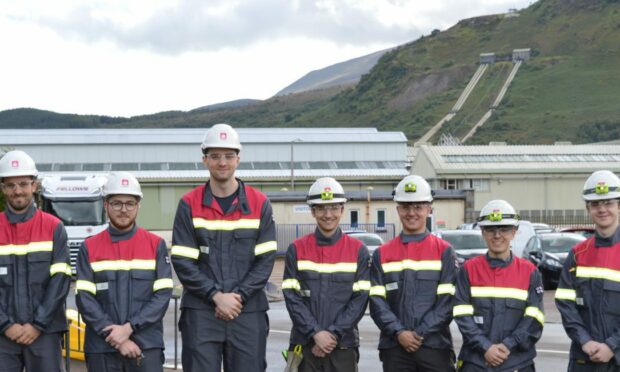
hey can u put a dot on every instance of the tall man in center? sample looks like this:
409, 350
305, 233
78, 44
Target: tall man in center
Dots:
223, 251
412, 289
326, 284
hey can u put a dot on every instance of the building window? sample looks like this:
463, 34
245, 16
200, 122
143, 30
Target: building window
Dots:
480, 185
381, 218
354, 218
449, 184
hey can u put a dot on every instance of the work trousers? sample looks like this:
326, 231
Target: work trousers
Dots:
339, 360
470, 367
424, 359
207, 341
581, 366
43, 355
152, 361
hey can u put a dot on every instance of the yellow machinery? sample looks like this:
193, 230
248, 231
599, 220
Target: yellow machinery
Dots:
77, 331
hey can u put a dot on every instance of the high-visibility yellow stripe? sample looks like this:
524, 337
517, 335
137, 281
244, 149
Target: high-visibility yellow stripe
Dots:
378, 290
265, 247
565, 294
341, 267
535, 313
460, 310
23, 249
598, 273
361, 285
499, 292
179, 250
434, 265
84, 285
162, 283
291, 284
201, 223
62, 268
446, 289
123, 265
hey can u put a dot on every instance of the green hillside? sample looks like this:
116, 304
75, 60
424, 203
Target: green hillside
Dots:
568, 91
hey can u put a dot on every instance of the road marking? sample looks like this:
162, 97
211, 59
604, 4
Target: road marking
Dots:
552, 351
278, 331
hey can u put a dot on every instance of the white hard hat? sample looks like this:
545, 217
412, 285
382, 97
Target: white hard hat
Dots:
326, 190
498, 213
413, 189
601, 185
221, 136
122, 183
17, 163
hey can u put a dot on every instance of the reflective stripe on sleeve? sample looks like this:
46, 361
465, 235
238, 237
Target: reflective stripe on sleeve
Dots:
433, 265
378, 290
343, 267
162, 283
225, 225
460, 310
535, 313
188, 252
598, 273
499, 292
565, 294
23, 249
291, 284
446, 288
265, 247
123, 265
62, 268
361, 285
85, 285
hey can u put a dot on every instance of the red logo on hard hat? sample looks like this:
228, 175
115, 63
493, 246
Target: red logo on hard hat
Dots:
15, 163
223, 136
125, 182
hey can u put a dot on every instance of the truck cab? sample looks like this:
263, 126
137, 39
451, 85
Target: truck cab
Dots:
77, 200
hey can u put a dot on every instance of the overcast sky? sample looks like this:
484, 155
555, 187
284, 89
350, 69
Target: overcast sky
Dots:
134, 57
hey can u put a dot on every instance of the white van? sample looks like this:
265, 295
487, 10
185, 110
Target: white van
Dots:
524, 233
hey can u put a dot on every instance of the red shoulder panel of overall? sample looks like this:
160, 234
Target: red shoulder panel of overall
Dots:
39, 228
195, 197
515, 275
346, 249
141, 246
586, 254
430, 248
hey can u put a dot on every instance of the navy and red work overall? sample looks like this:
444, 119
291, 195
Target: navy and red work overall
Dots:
412, 280
124, 277
499, 301
34, 281
326, 284
224, 251
588, 297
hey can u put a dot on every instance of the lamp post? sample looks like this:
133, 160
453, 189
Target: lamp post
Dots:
293, 162
368, 190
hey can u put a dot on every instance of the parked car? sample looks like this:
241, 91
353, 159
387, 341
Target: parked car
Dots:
524, 233
541, 228
466, 243
548, 252
586, 231
372, 241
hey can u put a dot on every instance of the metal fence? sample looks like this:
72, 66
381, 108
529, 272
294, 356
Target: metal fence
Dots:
558, 219
287, 233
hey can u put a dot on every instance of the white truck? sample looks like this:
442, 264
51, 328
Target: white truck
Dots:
77, 199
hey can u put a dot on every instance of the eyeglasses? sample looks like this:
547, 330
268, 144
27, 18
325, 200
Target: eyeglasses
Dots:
217, 157
492, 230
412, 207
322, 209
118, 205
607, 203
13, 186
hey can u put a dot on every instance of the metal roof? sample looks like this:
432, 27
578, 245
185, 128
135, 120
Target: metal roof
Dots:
193, 135
522, 159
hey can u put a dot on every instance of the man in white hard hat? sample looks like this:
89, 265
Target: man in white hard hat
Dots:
326, 284
124, 286
223, 251
34, 273
499, 300
412, 291
588, 294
